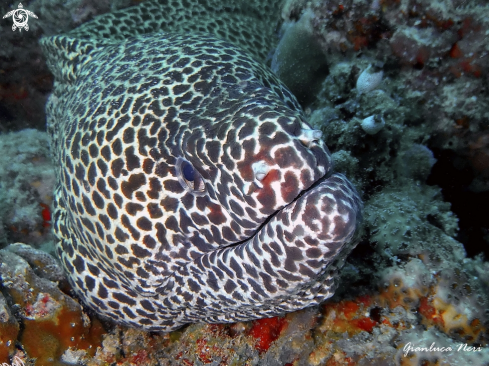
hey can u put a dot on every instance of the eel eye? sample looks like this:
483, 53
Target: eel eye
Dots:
189, 178
188, 171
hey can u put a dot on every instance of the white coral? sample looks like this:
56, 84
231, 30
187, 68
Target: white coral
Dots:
373, 124
368, 80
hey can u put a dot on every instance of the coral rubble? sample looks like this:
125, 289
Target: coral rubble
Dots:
26, 187
408, 295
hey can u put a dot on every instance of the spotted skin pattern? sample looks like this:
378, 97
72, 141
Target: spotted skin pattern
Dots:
190, 186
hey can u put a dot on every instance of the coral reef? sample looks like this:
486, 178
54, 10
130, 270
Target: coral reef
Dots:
404, 308
408, 295
50, 321
433, 55
410, 220
26, 187
298, 60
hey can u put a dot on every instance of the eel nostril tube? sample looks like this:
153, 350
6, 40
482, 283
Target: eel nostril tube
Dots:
260, 170
308, 137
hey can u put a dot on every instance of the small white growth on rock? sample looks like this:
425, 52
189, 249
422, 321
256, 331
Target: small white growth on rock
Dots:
373, 124
368, 80
73, 356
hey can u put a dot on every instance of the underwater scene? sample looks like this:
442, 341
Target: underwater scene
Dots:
244, 182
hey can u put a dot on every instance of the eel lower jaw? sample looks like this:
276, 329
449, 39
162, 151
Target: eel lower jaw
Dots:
270, 217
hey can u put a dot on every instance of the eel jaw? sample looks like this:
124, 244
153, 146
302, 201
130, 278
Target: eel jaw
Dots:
289, 264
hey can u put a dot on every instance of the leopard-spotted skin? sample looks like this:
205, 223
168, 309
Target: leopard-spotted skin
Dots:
190, 186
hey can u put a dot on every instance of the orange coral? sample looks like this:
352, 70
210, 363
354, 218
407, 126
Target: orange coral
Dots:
349, 316
266, 331
8, 335
377, 310
49, 338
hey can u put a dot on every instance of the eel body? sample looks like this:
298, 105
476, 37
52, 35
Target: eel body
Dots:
190, 187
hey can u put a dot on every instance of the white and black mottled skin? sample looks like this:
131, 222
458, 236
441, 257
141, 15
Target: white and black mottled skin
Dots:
190, 186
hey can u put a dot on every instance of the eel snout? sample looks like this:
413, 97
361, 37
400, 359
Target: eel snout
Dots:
298, 245
324, 218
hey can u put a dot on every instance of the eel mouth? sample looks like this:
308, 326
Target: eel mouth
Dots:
270, 217
311, 188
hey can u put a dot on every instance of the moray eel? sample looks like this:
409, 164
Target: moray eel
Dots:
190, 187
